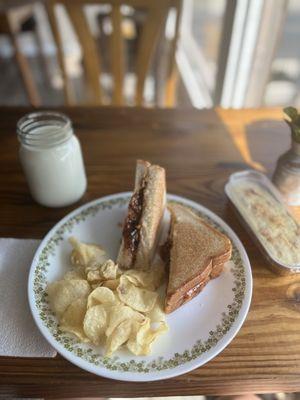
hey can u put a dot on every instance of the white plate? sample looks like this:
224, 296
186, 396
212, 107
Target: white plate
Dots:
198, 330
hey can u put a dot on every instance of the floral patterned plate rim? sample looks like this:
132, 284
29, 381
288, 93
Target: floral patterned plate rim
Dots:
198, 331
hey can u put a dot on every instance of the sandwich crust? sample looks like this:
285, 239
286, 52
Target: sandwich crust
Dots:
153, 206
198, 254
177, 302
153, 210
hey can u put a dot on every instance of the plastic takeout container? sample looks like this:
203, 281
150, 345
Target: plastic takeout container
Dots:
251, 176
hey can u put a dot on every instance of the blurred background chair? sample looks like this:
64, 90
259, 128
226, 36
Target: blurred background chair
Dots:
122, 52
233, 53
119, 51
17, 16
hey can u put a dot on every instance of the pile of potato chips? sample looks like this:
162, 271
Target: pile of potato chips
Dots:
103, 305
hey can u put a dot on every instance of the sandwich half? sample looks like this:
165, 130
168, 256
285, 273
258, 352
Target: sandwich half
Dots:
196, 253
142, 224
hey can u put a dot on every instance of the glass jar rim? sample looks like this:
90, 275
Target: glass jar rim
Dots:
30, 134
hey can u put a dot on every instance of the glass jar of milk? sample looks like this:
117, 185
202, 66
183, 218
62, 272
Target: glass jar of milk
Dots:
51, 158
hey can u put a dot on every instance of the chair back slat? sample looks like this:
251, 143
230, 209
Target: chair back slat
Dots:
90, 55
156, 13
155, 19
117, 55
68, 89
172, 76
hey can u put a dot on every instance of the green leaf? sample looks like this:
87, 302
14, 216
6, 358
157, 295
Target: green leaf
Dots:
291, 112
294, 122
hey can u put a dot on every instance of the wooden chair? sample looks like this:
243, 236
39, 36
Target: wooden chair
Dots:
17, 16
151, 32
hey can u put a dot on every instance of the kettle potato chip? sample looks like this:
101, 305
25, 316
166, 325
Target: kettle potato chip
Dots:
72, 319
101, 295
82, 253
109, 270
140, 342
62, 293
137, 343
101, 304
106, 271
120, 313
119, 336
77, 273
94, 276
150, 280
95, 322
111, 284
140, 278
139, 299
157, 314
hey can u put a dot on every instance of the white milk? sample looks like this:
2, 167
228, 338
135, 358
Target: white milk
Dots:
51, 158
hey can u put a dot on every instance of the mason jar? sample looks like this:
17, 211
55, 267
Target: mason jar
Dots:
51, 158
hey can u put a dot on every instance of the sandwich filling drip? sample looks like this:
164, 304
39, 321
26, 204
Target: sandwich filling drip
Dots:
165, 251
131, 229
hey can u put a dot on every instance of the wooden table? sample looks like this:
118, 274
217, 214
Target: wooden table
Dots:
197, 148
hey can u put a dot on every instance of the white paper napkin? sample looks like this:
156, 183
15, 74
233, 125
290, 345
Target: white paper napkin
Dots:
19, 336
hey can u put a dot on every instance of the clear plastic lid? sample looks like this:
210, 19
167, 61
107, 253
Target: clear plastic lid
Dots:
267, 218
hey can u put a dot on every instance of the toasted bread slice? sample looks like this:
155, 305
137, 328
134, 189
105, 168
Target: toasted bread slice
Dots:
151, 180
198, 253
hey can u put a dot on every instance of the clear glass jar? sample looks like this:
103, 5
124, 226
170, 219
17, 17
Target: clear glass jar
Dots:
51, 158
287, 175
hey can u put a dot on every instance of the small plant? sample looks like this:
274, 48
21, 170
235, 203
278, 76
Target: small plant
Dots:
293, 122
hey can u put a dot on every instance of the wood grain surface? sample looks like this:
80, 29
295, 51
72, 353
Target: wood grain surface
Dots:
200, 150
